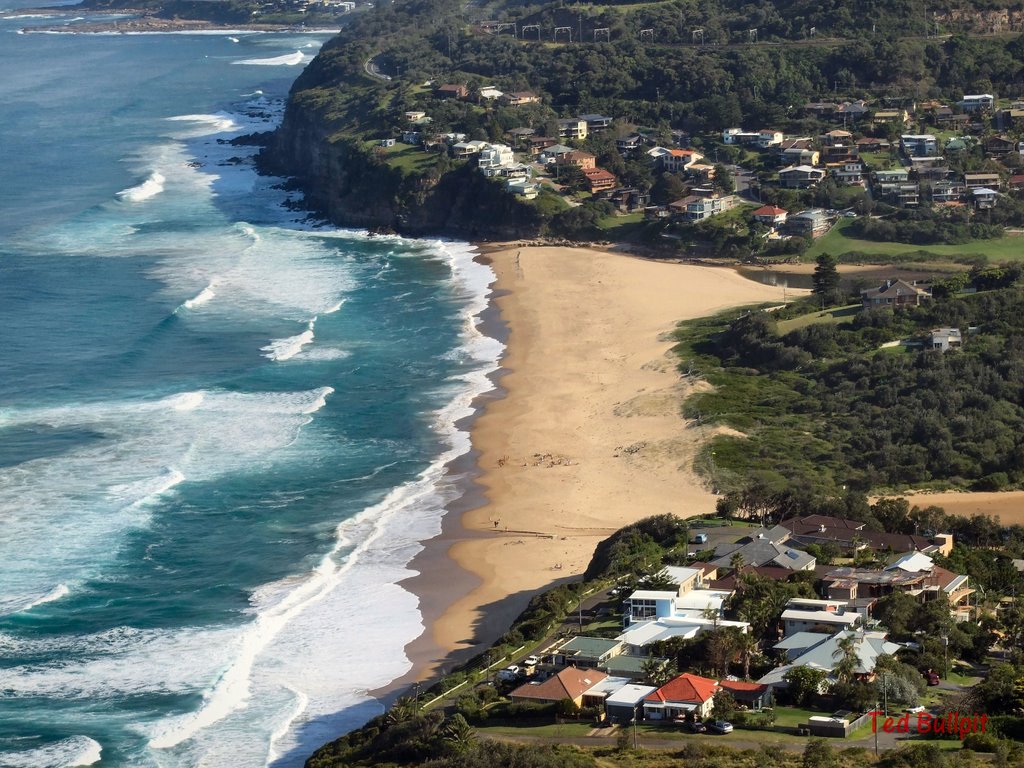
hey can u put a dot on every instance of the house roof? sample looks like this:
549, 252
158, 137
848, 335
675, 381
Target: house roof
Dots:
892, 289
598, 174
684, 153
570, 683
869, 646
608, 686
802, 641
913, 562
801, 169
767, 552
588, 646
741, 687
630, 695
628, 664
770, 210
688, 688
821, 617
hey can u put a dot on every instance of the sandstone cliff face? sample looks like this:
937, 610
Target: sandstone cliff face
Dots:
348, 185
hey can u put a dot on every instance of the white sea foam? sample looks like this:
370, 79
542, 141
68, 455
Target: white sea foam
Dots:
199, 299
205, 125
303, 621
286, 349
61, 590
150, 188
72, 752
233, 39
287, 60
147, 449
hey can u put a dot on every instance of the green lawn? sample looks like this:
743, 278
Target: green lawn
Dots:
879, 161
837, 242
791, 717
835, 316
407, 157
617, 227
536, 728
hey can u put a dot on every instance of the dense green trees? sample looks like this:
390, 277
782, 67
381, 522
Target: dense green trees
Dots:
822, 404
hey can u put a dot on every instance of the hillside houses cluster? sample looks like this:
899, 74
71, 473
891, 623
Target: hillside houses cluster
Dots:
611, 673
870, 147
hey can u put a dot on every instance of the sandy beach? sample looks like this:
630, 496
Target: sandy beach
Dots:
1008, 506
588, 436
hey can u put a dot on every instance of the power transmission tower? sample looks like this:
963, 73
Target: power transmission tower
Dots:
499, 28
751, 35
647, 35
697, 33
604, 32
567, 30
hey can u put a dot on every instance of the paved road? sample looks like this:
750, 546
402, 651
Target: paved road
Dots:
373, 70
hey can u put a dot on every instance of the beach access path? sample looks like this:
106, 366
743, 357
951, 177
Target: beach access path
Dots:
589, 436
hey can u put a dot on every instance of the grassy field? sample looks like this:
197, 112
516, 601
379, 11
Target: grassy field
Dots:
409, 158
837, 242
618, 227
835, 316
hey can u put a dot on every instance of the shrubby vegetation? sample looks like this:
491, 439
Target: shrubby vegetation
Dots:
823, 405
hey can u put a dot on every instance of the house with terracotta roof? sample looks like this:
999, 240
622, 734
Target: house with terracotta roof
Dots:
770, 215
582, 160
570, 683
679, 159
684, 696
600, 180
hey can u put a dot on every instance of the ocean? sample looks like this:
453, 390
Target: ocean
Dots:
224, 426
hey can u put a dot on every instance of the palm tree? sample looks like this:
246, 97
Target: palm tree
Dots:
846, 652
721, 649
457, 733
656, 672
736, 563
747, 647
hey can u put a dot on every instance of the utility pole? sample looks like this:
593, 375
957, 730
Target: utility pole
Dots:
876, 729
635, 717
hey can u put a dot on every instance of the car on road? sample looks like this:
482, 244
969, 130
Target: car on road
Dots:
531, 661
720, 726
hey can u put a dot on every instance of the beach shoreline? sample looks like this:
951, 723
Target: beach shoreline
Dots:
581, 435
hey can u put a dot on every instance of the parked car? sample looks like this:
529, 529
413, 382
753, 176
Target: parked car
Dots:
509, 673
695, 726
720, 726
700, 538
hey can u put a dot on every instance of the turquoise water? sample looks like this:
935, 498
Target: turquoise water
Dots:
223, 430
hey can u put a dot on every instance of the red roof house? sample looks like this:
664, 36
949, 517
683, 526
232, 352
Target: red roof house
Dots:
682, 696
770, 215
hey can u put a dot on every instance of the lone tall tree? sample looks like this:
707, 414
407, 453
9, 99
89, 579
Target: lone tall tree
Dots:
825, 281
